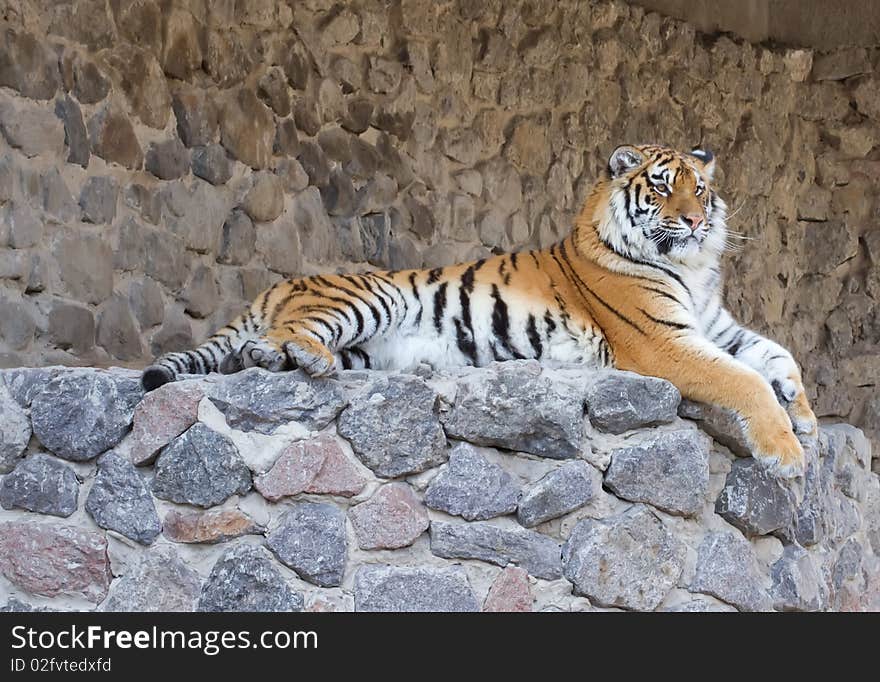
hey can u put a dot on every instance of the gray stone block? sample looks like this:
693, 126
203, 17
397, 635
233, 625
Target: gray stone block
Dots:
80, 415
727, 569
258, 400
510, 405
15, 430
622, 401
119, 500
669, 471
628, 561
41, 484
754, 500
399, 589
98, 200
797, 583
246, 579
310, 539
472, 487
393, 426
563, 490
539, 554
200, 467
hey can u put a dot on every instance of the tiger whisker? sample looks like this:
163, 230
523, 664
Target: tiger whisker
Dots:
729, 230
736, 210
733, 247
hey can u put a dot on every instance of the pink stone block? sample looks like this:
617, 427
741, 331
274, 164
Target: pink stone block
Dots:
393, 517
49, 560
161, 417
318, 466
337, 476
509, 592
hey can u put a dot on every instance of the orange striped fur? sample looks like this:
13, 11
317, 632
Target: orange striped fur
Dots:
636, 285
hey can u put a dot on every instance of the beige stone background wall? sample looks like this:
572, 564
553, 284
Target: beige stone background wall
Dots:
161, 161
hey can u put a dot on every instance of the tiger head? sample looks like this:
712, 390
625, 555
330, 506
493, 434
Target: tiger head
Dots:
662, 205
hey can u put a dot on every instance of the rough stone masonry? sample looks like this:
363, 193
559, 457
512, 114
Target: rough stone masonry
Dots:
517, 487
162, 161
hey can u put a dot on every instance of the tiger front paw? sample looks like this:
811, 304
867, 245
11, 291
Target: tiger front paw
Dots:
803, 418
312, 357
775, 445
790, 393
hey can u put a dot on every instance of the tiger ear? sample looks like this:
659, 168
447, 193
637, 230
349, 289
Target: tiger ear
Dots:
707, 159
624, 159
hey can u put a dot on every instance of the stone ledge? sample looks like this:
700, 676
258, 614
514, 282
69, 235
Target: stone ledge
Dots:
513, 487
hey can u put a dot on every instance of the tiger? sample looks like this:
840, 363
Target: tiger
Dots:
636, 285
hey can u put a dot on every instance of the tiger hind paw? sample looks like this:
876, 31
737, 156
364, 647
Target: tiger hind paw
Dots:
261, 354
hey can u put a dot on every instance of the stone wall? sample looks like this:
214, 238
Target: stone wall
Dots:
162, 161
515, 487
803, 23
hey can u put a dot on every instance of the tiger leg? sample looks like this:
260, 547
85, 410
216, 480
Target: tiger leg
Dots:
779, 368
703, 372
264, 354
773, 362
297, 326
281, 350
306, 338
324, 316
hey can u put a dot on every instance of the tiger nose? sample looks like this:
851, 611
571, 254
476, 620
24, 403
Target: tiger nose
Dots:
693, 221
